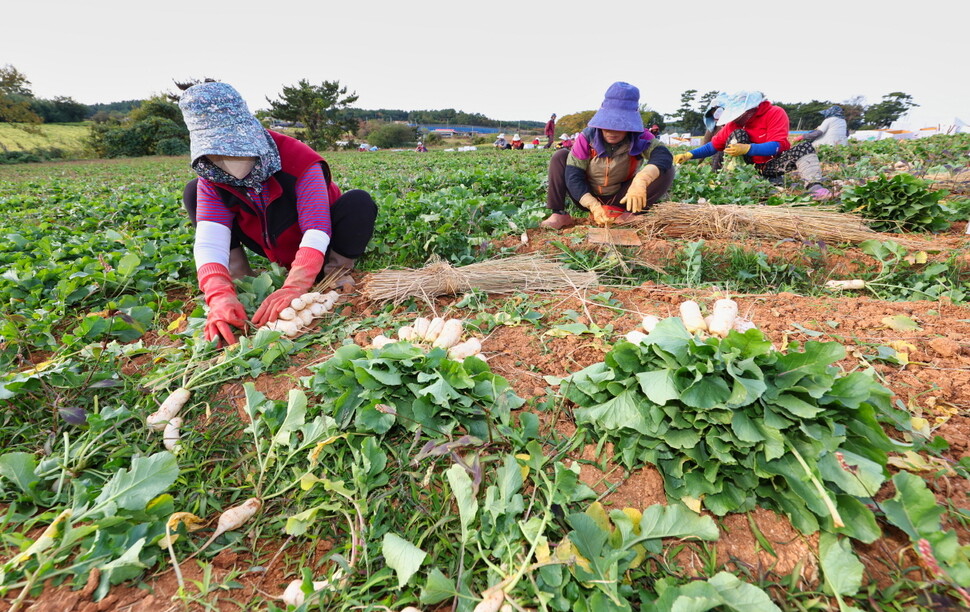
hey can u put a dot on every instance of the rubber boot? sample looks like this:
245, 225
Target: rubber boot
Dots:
239, 264
337, 262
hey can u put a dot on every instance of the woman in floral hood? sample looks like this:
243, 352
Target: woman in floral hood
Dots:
267, 192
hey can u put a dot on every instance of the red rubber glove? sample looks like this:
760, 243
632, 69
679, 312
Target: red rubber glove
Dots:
306, 266
799, 138
225, 310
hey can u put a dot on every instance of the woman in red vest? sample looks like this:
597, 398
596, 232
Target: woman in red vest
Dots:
267, 192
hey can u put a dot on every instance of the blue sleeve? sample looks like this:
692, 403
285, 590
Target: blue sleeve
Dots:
765, 148
704, 151
576, 182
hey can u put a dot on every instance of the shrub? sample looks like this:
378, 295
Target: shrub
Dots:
392, 135
172, 146
895, 204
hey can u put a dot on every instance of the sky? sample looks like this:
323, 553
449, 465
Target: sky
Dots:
507, 60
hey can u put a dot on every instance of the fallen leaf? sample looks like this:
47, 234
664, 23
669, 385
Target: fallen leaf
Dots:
901, 323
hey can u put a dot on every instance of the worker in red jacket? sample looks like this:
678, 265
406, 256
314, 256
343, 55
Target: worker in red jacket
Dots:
550, 130
757, 130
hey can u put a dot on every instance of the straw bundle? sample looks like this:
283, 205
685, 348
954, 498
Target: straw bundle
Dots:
678, 220
533, 272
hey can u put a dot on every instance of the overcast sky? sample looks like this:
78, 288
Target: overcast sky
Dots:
507, 60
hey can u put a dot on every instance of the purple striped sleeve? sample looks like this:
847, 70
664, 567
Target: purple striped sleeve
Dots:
313, 201
209, 206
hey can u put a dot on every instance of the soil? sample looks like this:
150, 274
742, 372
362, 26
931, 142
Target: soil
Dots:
934, 383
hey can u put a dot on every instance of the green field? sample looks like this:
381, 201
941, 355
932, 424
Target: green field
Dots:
69, 137
815, 462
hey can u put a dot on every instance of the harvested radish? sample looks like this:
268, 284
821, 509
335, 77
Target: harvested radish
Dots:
450, 334
298, 304
742, 325
317, 309
170, 436
288, 314
649, 322
421, 328
232, 519
405, 333
305, 317
690, 314
458, 352
381, 341
491, 601
169, 408
846, 284
722, 321
329, 299
434, 328
311, 298
636, 337
293, 595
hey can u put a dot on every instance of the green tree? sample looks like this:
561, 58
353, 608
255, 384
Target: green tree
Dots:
320, 108
155, 127
893, 106
570, 124
15, 97
688, 119
59, 110
392, 135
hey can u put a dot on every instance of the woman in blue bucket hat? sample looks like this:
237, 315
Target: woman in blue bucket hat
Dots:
615, 167
267, 192
757, 130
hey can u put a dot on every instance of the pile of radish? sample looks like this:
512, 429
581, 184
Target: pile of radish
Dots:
436, 333
719, 323
296, 319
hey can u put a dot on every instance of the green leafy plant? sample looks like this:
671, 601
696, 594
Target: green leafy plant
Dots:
901, 202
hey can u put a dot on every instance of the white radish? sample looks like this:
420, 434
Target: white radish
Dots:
421, 327
742, 325
846, 284
458, 352
298, 304
381, 341
170, 435
169, 408
317, 309
405, 333
649, 322
232, 519
434, 328
293, 594
410, 609
491, 601
329, 299
690, 314
287, 314
722, 321
311, 298
450, 334
289, 328
635, 337
305, 317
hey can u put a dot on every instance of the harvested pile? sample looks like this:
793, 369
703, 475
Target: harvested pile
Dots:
678, 220
533, 272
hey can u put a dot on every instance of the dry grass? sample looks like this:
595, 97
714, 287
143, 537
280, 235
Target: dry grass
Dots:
533, 272
692, 221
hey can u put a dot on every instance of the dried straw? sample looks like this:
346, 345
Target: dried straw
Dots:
533, 272
679, 220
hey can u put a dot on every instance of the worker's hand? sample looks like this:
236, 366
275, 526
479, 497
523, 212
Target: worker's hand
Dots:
306, 267
737, 149
799, 137
682, 157
225, 310
596, 210
636, 196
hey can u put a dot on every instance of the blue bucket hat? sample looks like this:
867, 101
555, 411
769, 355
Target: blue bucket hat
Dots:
220, 123
737, 104
620, 110
833, 111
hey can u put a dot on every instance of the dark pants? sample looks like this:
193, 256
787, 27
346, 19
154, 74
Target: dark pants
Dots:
556, 195
780, 164
352, 219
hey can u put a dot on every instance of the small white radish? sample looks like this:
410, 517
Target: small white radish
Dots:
381, 341
317, 309
636, 337
690, 314
458, 352
232, 519
742, 325
405, 333
491, 601
312, 297
329, 299
434, 328
305, 317
169, 408
298, 304
421, 327
649, 322
722, 321
410, 609
170, 435
289, 328
450, 334
287, 314
846, 284
294, 596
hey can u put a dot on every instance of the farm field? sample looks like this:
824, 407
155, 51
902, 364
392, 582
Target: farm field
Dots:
819, 461
68, 137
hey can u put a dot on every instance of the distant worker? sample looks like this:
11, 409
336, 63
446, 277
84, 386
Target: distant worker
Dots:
757, 130
421, 148
711, 115
517, 142
501, 142
615, 167
655, 129
550, 130
565, 142
832, 131
535, 142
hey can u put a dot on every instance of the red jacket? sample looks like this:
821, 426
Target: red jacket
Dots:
277, 231
551, 128
769, 124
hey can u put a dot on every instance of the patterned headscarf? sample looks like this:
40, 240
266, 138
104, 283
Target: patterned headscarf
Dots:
833, 111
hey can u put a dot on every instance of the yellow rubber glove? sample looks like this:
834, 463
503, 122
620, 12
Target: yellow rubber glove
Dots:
737, 149
682, 157
636, 196
595, 208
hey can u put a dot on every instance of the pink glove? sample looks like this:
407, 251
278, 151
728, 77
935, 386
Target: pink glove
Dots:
799, 137
225, 310
306, 266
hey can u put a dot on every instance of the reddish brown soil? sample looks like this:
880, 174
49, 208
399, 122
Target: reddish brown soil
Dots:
936, 382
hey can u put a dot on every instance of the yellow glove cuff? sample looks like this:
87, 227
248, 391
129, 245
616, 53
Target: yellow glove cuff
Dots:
589, 201
648, 173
